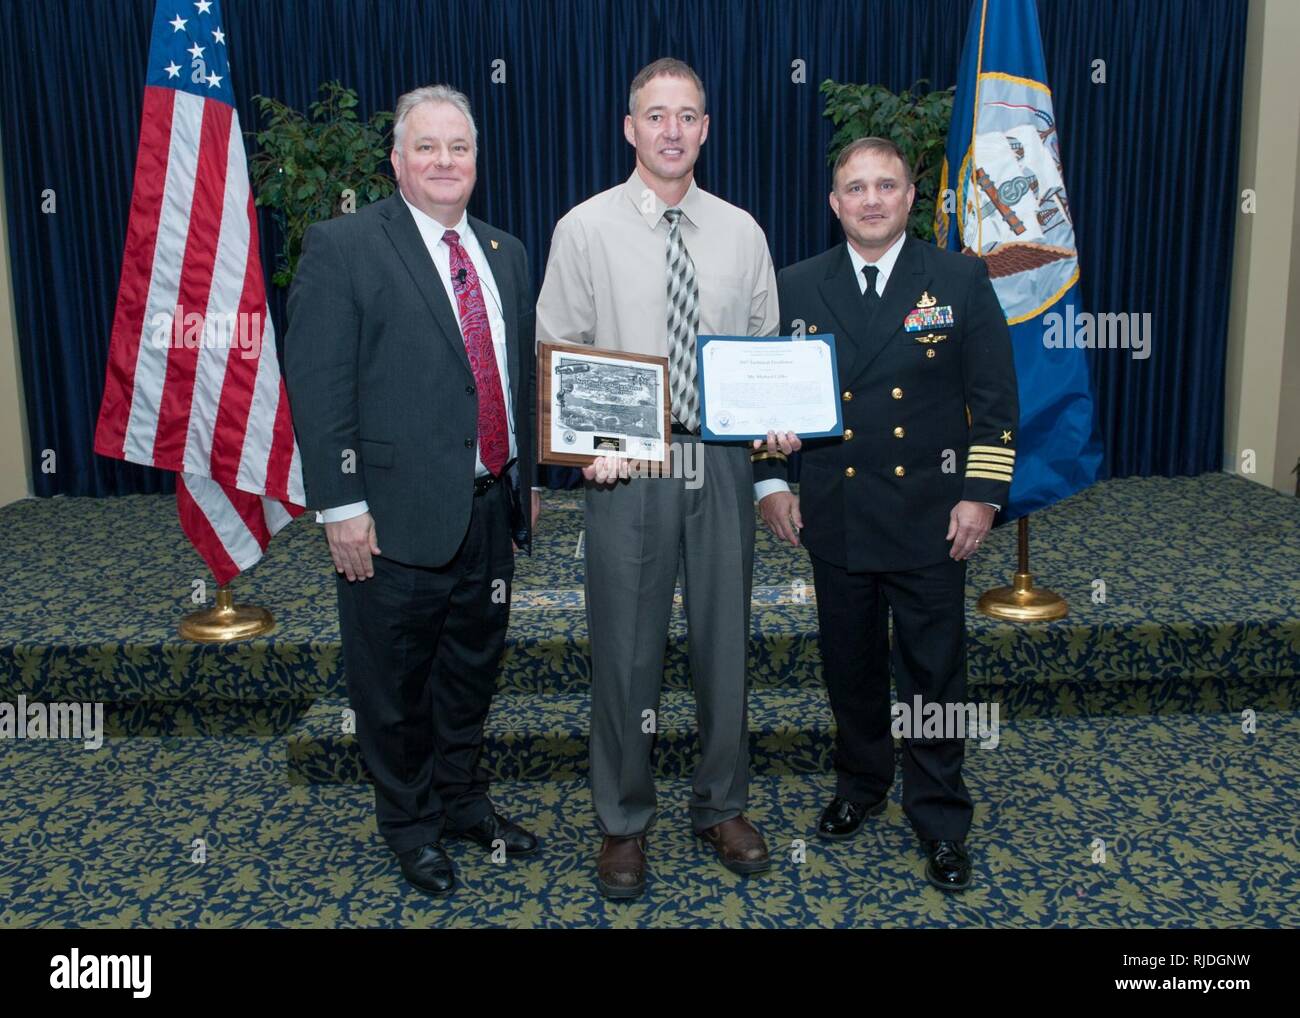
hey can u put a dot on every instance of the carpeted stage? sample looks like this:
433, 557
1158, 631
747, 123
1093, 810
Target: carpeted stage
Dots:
1121, 723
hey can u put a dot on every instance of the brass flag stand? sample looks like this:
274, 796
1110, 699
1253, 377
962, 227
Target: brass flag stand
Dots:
226, 621
1022, 602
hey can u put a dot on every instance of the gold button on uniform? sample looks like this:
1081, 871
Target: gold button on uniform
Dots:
847, 395
899, 471
929, 353
850, 472
848, 434
897, 393
898, 432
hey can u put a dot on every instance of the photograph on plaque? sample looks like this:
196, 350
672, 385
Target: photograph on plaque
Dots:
601, 403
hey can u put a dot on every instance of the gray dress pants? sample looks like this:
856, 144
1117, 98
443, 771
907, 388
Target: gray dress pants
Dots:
636, 534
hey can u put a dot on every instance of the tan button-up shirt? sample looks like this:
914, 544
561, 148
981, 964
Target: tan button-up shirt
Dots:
607, 278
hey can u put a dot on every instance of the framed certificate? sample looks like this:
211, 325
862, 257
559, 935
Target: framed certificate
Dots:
750, 385
594, 403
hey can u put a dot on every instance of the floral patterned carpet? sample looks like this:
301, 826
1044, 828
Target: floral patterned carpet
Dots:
1122, 736
1198, 822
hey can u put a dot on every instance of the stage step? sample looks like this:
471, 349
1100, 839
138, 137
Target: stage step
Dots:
530, 738
1046, 669
1184, 596
784, 652
791, 730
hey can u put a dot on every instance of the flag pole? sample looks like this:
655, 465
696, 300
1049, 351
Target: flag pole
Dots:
1022, 601
226, 621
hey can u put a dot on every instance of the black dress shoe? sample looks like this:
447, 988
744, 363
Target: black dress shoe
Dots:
948, 867
494, 827
843, 817
428, 869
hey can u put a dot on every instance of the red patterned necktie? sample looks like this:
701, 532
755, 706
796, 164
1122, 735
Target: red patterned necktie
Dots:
493, 434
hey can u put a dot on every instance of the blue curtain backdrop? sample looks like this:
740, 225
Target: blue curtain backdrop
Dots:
1150, 157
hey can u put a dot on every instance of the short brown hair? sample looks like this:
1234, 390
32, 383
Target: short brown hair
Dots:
870, 145
665, 67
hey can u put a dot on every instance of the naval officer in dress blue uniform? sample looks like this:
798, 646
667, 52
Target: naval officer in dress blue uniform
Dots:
891, 512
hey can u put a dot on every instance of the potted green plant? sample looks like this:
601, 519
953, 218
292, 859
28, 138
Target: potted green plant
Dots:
916, 121
314, 166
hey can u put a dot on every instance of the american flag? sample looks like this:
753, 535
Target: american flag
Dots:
193, 382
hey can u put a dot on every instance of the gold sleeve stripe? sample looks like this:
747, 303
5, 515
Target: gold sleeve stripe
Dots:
994, 450
988, 475
983, 457
755, 457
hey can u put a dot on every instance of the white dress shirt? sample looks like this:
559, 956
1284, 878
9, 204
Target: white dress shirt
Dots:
431, 232
604, 281
884, 266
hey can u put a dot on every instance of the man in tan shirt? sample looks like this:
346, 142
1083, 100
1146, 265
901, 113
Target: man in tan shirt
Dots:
646, 267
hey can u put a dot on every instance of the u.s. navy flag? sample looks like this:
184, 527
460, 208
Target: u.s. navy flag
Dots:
1004, 165
193, 384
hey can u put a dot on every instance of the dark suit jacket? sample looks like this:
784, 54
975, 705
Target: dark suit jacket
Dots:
878, 500
375, 363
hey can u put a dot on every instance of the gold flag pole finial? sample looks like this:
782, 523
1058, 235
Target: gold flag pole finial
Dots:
226, 621
1022, 601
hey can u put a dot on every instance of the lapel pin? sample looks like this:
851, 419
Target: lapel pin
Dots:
495, 245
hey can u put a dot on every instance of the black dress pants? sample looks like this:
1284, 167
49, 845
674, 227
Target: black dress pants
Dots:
421, 649
929, 659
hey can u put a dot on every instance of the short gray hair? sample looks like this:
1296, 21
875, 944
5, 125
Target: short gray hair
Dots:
431, 94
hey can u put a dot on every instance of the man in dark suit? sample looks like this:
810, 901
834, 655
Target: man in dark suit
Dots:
891, 512
409, 363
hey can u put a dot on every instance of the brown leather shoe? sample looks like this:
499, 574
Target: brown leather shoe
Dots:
739, 846
620, 870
